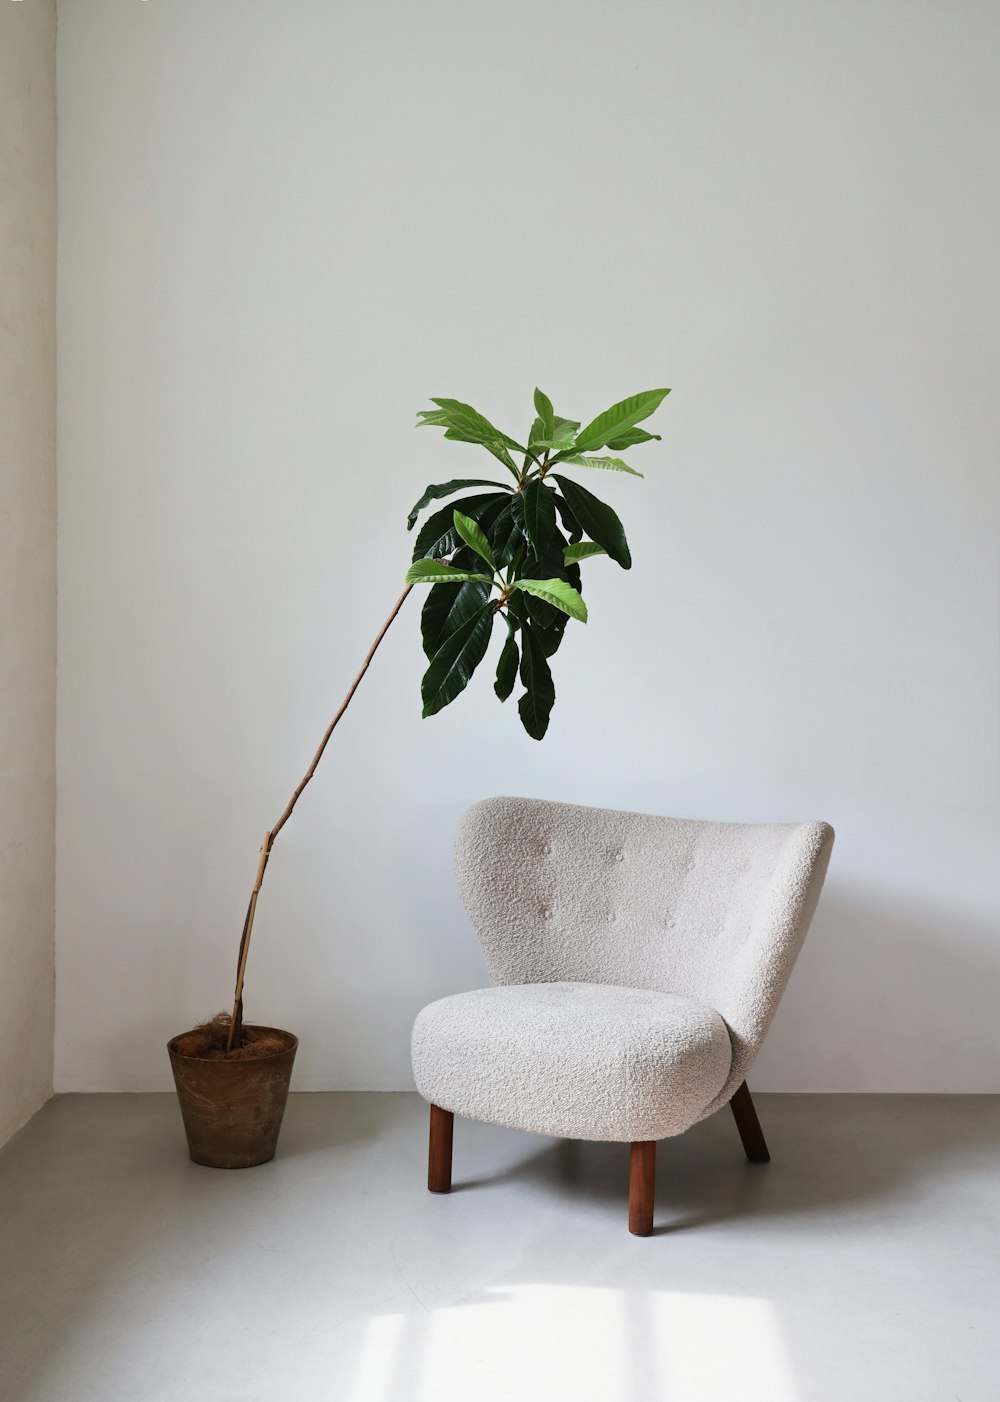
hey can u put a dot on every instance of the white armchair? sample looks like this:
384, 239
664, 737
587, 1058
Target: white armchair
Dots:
637, 963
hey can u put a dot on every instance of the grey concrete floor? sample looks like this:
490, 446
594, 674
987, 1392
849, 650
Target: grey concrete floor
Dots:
862, 1263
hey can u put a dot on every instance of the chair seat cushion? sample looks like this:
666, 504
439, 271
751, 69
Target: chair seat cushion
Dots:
577, 1060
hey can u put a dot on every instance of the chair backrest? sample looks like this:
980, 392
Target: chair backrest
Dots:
713, 911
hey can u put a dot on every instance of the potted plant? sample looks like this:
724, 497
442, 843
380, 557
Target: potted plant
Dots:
511, 553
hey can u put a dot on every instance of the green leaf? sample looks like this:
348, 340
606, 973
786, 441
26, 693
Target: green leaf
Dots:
472, 426
456, 660
447, 608
548, 639
535, 706
505, 533
618, 419
517, 609
433, 572
539, 514
507, 666
570, 524
556, 438
606, 464
545, 616
492, 445
557, 593
474, 538
597, 520
582, 551
543, 408
437, 536
445, 489
460, 421
628, 440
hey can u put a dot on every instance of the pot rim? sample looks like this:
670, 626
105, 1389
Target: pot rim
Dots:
240, 1061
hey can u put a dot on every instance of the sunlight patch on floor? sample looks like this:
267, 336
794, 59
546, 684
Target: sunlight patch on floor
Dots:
589, 1343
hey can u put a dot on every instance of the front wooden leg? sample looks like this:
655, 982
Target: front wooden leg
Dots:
641, 1187
439, 1150
749, 1126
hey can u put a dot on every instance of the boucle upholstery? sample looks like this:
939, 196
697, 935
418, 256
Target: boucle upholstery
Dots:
640, 1063
712, 914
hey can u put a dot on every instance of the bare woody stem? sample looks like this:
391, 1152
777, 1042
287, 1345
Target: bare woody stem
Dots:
236, 1022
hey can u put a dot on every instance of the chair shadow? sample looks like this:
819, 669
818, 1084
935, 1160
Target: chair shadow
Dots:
827, 1153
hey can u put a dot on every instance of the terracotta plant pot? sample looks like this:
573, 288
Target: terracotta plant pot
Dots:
232, 1110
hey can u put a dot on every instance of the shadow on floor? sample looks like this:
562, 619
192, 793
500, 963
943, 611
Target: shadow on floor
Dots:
828, 1152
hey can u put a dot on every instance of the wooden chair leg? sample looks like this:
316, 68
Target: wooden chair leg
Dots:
439, 1150
749, 1126
641, 1187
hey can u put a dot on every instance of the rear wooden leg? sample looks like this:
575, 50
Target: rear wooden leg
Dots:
749, 1126
439, 1150
641, 1187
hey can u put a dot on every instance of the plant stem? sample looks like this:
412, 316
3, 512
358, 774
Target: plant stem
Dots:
236, 1022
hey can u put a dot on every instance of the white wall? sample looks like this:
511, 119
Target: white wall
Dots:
282, 228
27, 555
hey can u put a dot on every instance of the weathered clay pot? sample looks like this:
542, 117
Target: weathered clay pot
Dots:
232, 1110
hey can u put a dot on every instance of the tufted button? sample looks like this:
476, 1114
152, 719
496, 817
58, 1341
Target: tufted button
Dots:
619, 856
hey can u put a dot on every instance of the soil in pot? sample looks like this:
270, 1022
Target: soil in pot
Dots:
208, 1040
232, 1103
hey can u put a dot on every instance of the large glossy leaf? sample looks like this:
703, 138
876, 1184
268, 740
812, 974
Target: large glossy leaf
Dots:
597, 520
447, 489
562, 441
472, 426
605, 464
539, 515
543, 408
456, 660
629, 439
570, 524
618, 419
474, 538
549, 624
549, 565
505, 532
447, 608
507, 666
437, 536
535, 706
517, 608
492, 445
460, 421
582, 551
557, 593
434, 572
550, 637
552, 437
